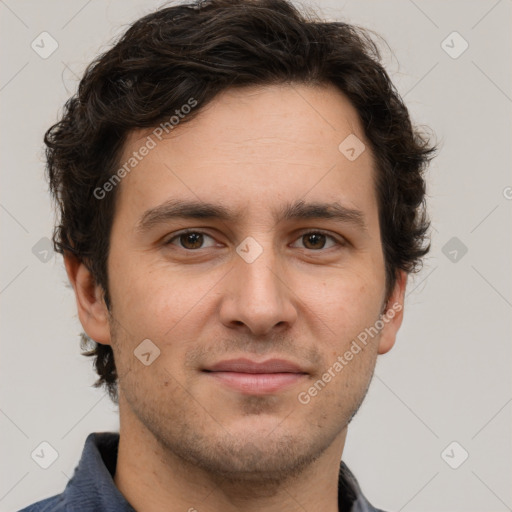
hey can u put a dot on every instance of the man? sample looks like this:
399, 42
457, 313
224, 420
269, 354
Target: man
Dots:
241, 200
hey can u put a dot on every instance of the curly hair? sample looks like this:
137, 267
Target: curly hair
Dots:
198, 50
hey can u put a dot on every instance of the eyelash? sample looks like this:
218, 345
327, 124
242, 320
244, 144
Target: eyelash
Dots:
340, 243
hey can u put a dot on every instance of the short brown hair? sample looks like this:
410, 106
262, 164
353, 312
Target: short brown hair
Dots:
198, 50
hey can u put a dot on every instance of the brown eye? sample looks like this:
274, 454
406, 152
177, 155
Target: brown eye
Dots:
314, 240
189, 240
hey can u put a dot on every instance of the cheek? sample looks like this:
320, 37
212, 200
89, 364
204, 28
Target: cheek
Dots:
337, 393
161, 302
346, 304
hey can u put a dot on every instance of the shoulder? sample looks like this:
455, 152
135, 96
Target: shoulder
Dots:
51, 504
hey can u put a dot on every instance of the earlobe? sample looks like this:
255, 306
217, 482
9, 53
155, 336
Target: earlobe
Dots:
393, 316
92, 310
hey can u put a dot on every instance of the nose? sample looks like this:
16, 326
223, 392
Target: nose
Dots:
257, 297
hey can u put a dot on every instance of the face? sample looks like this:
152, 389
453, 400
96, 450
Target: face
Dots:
271, 278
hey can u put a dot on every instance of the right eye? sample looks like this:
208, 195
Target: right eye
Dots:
190, 239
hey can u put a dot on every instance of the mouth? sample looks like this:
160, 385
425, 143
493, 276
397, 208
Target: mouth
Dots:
256, 378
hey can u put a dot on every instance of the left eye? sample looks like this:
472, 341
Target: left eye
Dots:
317, 238
193, 240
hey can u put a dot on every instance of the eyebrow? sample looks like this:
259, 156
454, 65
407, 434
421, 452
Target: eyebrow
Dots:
299, 210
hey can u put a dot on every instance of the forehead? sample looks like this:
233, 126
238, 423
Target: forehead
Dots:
304, 116
255, 145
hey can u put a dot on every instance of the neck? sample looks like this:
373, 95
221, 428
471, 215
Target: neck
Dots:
152, 478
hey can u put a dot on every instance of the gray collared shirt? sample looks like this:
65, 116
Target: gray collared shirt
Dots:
92, 487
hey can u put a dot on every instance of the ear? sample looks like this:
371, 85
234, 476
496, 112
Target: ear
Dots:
393, 315
92, 310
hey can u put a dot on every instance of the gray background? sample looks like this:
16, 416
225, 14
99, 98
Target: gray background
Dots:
447, 378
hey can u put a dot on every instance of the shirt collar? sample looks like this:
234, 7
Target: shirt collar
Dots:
92, 487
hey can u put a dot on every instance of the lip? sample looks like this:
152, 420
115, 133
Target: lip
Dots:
256, 378
257, 383
243, 365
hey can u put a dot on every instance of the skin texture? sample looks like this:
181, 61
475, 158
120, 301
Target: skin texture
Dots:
187, 441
